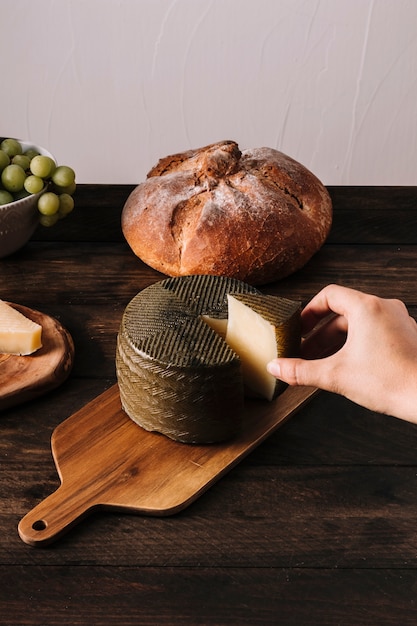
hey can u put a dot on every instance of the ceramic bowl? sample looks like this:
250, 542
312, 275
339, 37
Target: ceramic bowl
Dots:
19, 219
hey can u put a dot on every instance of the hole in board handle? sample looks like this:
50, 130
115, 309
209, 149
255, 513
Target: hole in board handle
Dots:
39, 525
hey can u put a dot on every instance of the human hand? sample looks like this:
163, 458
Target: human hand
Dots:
360, 346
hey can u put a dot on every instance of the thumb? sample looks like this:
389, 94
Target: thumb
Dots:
299, 371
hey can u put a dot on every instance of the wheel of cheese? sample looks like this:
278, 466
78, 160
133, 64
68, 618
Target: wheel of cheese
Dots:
256, 215
176, 375
189, 347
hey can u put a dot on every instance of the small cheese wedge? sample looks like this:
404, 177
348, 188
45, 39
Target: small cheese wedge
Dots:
217, 324
261, 328
18, 334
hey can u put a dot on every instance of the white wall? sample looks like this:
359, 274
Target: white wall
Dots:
110, 86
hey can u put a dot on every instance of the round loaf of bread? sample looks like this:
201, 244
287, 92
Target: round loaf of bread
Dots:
256, 215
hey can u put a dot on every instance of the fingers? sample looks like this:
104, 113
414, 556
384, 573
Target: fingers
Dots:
325, 325
302, 372
331, 299
326, 338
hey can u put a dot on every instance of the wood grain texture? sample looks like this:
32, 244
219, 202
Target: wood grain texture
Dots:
316, 526
67, 594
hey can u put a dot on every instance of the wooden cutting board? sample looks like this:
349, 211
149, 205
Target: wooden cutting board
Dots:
23, 378
106, 460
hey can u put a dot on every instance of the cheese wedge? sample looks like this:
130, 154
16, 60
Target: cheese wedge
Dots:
18, 334
261, 328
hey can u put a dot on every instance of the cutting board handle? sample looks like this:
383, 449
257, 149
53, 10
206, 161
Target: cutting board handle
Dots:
53, 516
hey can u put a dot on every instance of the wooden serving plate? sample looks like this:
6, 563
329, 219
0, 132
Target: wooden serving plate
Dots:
23, 378
105, 460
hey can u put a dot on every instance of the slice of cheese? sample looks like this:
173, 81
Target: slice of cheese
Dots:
261, 328
18, 334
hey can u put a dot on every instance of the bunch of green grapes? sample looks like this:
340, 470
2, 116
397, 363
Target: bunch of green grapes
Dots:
27, 172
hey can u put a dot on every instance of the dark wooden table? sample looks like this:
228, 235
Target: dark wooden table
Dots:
317, 526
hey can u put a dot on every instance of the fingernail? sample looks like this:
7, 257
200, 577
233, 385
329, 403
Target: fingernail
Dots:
274, 368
